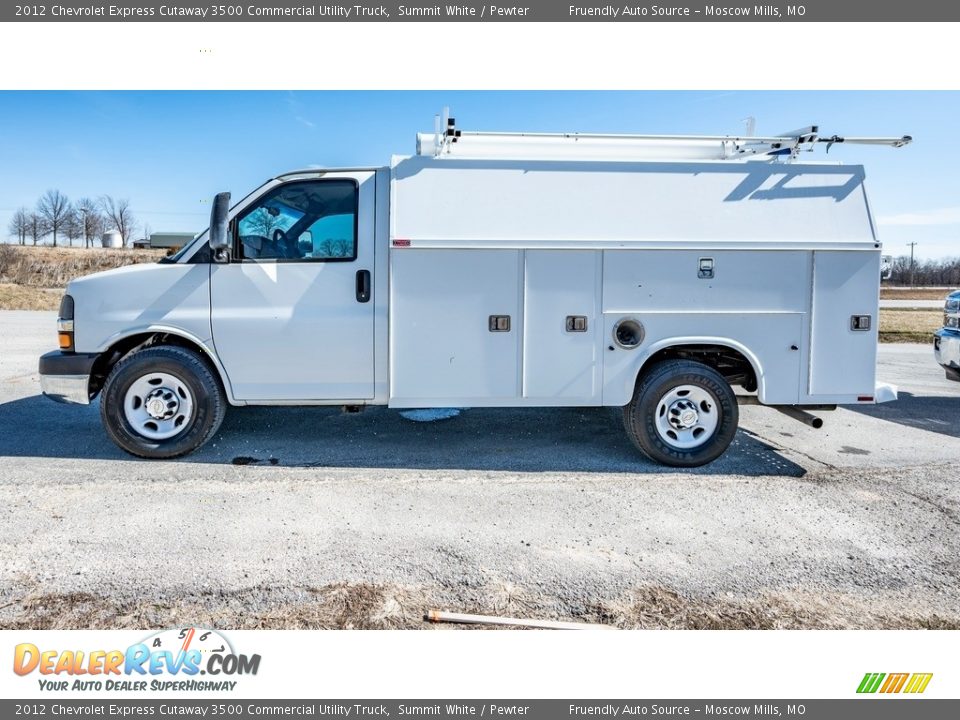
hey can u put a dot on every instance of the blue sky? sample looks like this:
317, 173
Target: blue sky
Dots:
169, 152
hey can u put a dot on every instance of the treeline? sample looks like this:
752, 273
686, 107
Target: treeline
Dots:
65, 222
945, 272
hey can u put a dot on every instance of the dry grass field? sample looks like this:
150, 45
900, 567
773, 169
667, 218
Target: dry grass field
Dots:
33, 278
896, 293
909, 325
20, 297
50, 267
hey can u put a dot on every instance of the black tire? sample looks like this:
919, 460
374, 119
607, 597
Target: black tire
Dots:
208, 402
640, 416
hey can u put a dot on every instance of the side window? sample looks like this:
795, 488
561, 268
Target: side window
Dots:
313, 220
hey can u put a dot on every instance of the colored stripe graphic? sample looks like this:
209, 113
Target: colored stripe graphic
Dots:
918, 682
894, 682
870, 682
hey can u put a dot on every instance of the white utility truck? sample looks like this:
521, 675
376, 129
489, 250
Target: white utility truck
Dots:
652, 273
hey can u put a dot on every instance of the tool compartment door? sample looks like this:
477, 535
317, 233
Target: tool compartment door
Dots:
843, 360
561, 330
442, 348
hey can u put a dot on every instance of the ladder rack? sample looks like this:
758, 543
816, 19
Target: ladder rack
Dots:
448, 141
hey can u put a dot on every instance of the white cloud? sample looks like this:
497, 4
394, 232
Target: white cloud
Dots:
296, 110
940, 216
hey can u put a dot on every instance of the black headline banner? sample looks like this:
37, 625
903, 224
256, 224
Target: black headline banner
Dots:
530, 11
872, 708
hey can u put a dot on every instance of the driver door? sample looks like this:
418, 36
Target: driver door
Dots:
292, 312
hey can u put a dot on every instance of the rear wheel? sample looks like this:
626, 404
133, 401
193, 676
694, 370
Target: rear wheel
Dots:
683, 414
162, 402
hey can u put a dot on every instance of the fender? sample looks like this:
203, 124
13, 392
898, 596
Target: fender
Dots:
647, 353
181, 333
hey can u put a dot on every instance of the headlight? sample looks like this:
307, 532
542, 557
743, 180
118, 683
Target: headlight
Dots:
951, 322
65, 324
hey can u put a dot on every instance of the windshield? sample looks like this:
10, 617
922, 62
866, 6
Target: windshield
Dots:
182, 251
191, 246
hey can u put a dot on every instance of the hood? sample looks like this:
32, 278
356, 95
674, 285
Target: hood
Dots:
172, 297
138, 269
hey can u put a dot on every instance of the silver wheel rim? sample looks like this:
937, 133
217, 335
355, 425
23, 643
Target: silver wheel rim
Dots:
687, 417
158, 406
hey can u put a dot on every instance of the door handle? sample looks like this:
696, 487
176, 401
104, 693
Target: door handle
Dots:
363, 286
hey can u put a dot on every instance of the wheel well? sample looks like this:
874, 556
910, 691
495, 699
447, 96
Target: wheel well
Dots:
732, 364
123, 347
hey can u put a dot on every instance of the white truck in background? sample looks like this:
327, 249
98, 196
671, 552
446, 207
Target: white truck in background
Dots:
652, 273
946, 340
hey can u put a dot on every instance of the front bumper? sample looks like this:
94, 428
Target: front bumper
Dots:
65, 377
946, 350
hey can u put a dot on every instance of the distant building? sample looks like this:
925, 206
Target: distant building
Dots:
165, 240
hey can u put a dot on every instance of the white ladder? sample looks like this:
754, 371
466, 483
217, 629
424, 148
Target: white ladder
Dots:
448, 141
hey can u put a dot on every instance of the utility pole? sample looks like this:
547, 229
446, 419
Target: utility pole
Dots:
912, 266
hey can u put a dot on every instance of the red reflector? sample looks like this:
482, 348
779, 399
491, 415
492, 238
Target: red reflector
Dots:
865, 398
401, 243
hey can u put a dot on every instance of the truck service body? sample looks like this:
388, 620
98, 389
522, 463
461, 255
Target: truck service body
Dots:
499, 271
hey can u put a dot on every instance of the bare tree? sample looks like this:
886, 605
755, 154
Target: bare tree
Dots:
118, 214
20, 224
261, 222
54, 208
36, 227
944, 272
92, 219
73, 227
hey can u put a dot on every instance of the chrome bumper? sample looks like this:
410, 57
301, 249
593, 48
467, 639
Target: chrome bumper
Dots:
946, 350
65, 377
66, 388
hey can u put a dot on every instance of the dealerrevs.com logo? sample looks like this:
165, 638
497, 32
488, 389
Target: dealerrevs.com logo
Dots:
169, 660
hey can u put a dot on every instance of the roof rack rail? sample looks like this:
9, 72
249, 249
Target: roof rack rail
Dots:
448, 141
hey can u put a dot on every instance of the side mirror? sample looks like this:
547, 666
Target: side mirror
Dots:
219, 236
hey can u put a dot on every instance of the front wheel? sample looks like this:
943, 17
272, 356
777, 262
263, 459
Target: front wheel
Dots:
683, 414
162, 402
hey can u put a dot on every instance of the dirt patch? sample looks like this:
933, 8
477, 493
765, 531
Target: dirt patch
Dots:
49, 267
909, 325
659, 608
915, 293
18, 297
361, 606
